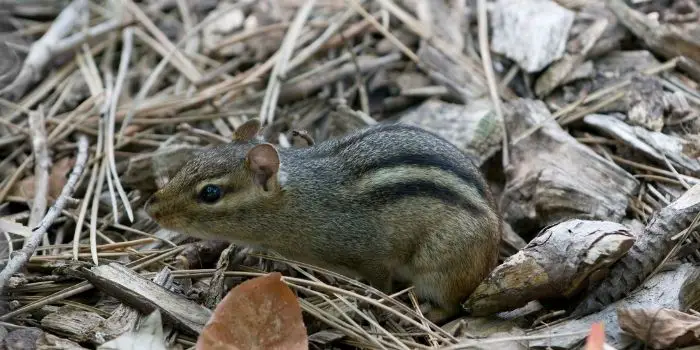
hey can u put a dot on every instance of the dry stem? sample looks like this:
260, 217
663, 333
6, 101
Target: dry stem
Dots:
42, 164
20, 258
42, 50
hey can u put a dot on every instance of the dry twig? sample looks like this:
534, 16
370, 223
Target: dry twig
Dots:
42, 50
42, 165
20, 258
269, 104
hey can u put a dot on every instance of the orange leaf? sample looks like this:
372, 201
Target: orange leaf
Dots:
261, 313
596, 339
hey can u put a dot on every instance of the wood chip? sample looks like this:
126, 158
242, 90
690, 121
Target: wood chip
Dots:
533, 33
144, 295
552, 177
558, 263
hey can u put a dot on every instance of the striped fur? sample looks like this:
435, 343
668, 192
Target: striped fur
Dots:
390, 203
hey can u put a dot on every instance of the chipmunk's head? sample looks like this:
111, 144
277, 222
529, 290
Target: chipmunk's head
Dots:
218, 191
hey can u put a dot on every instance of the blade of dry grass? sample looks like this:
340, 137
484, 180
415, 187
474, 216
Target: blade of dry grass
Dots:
391, 37
304, 54
269, 104
190, 70
127, 45
48, 84
86, 199
41, 51
153, 77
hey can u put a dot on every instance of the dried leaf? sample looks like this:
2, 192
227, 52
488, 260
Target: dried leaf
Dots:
57, 179
59, 176
261, 313
661, 328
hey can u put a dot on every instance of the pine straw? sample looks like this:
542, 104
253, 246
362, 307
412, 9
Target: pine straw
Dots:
162, 86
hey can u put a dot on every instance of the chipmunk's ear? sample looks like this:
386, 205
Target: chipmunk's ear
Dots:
263, 162
247, 131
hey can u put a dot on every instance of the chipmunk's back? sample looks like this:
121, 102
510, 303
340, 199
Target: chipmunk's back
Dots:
394, 159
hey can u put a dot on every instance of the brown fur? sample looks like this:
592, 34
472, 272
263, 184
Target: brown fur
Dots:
390, 203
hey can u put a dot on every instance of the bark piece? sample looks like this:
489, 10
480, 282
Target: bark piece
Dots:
614, 34
125, 319
665, 39
648, 251
463, 76
559, 71
558, 263
645, 102
450, 73
51, 342
654, 145
144, 295
618, 64
75, 324
610, 69
406, 81
474, 128
444, 19
585, 71
532, 33
217, 289
201, 254
508, 340
552, 177
511, 242
122, 320
660, 291
22, 338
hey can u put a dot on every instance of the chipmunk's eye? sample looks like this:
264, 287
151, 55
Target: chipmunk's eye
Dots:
210, 194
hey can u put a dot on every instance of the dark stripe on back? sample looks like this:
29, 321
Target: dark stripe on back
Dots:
471, 177
344, 143
468, 172
391, 193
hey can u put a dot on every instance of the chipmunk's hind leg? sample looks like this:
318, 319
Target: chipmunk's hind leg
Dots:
448, 267
440, 296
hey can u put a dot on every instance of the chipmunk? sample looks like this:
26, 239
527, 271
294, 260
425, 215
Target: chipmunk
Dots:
392, 203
